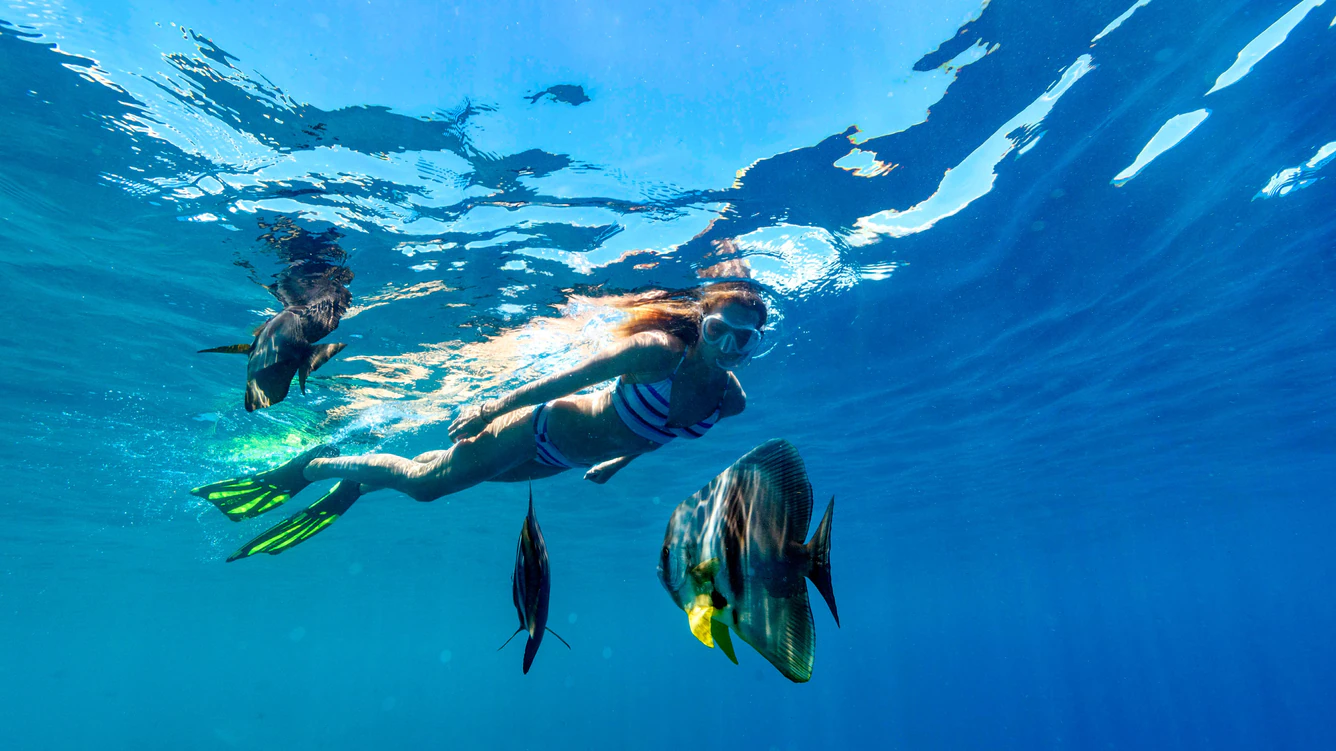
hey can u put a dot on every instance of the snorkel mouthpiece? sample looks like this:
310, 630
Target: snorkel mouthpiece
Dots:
724, 363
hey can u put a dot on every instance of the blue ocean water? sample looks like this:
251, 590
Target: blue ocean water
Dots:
1055, 304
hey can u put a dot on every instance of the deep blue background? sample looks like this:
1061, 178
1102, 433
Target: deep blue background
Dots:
1081, 444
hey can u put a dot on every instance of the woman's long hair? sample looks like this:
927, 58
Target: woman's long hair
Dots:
680, 312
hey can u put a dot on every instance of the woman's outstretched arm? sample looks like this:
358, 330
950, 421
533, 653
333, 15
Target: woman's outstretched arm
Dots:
643, 352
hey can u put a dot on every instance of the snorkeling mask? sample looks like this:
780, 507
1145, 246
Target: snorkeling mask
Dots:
737, 343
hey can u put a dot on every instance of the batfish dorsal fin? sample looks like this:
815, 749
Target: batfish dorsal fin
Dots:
781, 629
780, 482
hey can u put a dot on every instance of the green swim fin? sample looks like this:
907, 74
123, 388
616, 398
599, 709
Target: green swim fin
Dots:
303, 525
245, 497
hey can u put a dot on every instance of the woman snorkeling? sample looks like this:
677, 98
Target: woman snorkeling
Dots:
671, 368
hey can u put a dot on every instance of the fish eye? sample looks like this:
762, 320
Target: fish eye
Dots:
666, 574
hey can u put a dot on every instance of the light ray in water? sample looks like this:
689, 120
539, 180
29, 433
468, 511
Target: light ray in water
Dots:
796, 261
1297, 178
412, 389
1174, 130
1115, 23
1264, 44
974, 177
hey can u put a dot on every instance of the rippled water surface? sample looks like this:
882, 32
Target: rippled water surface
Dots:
1054, 320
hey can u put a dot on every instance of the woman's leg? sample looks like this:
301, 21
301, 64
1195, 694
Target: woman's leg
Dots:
503, 445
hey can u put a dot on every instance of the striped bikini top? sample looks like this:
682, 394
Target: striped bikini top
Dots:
644, 409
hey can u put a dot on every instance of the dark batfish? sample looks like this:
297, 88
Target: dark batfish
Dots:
734, 556
530, 584
314, 295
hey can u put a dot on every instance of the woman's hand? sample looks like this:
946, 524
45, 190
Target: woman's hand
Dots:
601, 473
472, 421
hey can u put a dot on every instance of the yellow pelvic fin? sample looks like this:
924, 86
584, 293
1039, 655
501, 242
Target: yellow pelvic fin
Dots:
700, 614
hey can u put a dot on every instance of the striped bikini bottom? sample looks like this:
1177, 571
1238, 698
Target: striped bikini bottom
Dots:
548, 453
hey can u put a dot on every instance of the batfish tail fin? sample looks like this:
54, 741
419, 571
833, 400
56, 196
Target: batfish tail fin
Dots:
231, 349
319, 356
819, 549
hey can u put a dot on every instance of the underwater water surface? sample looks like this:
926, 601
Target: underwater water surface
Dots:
1054, 321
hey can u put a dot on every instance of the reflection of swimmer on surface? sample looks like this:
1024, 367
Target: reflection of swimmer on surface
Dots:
672, 376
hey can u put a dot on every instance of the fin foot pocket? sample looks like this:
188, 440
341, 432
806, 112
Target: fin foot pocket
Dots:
247, 497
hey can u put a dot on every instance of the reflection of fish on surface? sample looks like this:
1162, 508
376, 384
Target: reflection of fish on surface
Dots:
314, 295
530, 586
734, 556
564, 92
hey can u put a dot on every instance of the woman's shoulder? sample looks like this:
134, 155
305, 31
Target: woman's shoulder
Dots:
652, 352
657, 342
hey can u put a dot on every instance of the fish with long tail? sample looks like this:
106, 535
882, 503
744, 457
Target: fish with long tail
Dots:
734, 558
314, 295
531, 584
